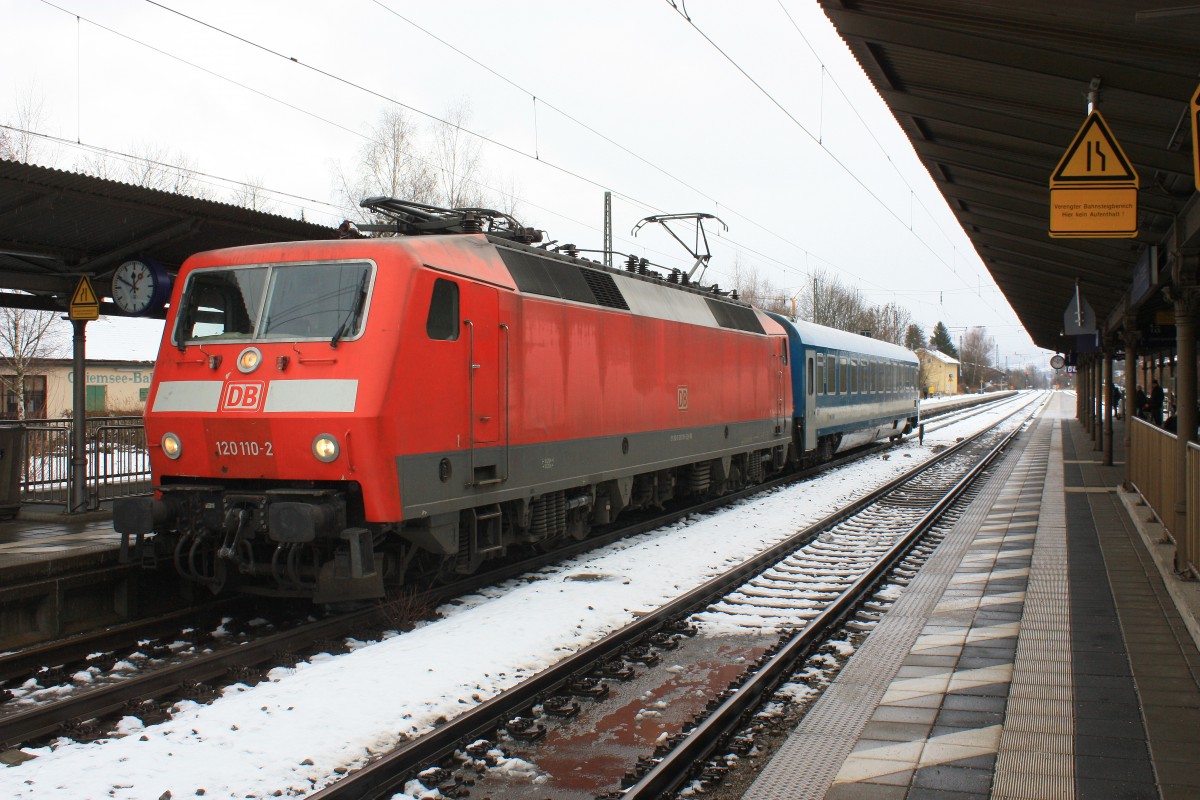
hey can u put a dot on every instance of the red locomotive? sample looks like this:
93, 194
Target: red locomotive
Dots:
329, 417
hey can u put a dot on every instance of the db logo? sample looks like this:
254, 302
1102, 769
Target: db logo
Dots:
681, 397
247, 396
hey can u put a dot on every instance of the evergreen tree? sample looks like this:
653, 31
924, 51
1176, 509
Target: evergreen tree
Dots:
914, 337
940, 340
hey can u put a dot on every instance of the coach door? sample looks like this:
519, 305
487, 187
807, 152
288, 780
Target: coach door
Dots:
487, 343
810, 401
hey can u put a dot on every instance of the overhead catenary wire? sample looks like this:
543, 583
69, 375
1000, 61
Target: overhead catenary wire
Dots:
534, 156
682, 12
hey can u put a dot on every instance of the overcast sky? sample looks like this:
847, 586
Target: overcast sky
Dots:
781, 136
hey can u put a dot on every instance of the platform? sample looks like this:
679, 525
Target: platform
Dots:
43, 544
1038, 654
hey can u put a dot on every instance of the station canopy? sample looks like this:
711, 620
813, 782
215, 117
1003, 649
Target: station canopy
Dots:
56, 226
991, 93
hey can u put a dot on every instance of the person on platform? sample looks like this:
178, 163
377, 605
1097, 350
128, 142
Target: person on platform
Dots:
1140, 402
1156, 403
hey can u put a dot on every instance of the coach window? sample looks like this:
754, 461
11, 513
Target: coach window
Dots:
442, 323
844, 378
811, 377
820, 359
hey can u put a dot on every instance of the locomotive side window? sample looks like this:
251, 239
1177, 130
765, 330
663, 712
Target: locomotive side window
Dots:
442, 323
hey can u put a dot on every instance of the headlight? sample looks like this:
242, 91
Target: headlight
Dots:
249, 359
171, 445
325, 448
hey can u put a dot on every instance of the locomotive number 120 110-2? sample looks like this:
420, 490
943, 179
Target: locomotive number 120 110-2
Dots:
227, 447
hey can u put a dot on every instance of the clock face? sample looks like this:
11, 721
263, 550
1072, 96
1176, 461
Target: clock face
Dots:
1057, 362
135, 287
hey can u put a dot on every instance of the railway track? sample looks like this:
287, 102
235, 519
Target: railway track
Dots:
80, 714
835, 576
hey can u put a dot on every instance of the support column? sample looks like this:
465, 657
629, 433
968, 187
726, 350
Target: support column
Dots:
1107, 397
1098, 389
1185, 413
77, 502
1132, 336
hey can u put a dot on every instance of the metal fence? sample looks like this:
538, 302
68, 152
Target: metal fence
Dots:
117, 461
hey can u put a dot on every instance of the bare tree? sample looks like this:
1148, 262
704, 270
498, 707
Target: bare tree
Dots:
888, 322
252, 195
154, 167
458, 160
507, 197
975, 355
827, 301
752, 287
8, 151
390, 164
23, 144
26, 336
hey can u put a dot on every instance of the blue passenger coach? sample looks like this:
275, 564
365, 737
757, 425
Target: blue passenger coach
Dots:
848, 389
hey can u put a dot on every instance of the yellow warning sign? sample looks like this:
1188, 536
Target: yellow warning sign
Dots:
84, 302
1094, 188
1093, 212
1094, 156
1196, 137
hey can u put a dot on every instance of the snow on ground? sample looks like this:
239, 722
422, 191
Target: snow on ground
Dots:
293, 730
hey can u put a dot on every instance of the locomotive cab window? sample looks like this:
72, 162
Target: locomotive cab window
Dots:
442, 323
282, 301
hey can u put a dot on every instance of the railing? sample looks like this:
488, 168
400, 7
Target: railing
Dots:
1152, 468
1190, 548
117, 462
1153, 472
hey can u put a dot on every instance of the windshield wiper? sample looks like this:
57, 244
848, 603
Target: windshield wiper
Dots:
359, 299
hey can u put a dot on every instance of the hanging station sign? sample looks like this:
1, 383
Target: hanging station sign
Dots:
1093, 190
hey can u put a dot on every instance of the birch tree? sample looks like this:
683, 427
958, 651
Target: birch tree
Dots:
26, 336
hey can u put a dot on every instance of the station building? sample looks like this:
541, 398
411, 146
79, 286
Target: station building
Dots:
939, 373
114, 388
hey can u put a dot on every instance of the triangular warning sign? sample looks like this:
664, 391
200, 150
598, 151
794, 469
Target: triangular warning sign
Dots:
1094, 157
84, 295
84, 303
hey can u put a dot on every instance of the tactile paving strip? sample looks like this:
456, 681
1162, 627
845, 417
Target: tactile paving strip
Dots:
1035, 758
807, 763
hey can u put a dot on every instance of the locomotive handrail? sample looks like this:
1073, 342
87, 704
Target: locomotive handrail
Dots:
507, 419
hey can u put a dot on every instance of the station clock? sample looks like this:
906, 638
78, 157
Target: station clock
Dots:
140, 287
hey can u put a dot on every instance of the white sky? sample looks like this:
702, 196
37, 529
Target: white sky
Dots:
805, 178
303, 723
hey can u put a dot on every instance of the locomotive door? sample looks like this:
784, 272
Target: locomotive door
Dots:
487, 342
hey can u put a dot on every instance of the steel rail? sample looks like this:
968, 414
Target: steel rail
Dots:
75, 647
24, 725
386, 775
673, 769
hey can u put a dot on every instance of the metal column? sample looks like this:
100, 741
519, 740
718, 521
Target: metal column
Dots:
1107, 397
1132, 336
77, 502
